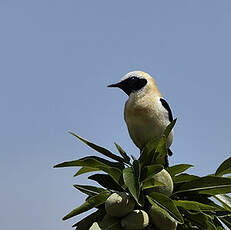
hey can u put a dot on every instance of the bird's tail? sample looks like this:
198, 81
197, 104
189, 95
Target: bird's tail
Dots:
170, 153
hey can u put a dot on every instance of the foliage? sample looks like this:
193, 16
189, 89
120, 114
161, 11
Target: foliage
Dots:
191, 204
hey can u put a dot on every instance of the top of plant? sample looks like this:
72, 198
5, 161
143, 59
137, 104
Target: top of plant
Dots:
191, 205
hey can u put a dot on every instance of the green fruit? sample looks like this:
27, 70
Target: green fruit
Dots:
119, 204
136, 220
164, 177
111, 223
160, 220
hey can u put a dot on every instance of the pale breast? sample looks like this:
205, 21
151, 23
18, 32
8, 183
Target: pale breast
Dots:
146, 120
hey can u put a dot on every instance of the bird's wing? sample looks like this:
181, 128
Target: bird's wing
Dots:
166, 106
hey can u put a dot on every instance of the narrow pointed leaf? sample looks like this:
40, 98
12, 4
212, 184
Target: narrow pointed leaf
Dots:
99, 149
219, 210
210, 185
226, 220
131, 182
194, 205
225, 200
137, 170
160, 151
101, 160
97, 163
169, 127
89, 190
92, 202
86, 223
218, 224
177, 169
184, 177
106, 181
85, 169
167, 204
222, 213
224, 168
123, 153
148, 151
137, 173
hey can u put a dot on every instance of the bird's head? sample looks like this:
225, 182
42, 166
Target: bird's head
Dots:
135, 82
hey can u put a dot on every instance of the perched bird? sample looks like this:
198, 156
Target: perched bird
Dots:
146, 112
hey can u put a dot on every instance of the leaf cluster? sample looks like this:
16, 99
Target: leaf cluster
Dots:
192, 204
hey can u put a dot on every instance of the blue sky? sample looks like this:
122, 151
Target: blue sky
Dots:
57, 58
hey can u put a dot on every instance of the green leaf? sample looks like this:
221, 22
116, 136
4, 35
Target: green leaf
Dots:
226, 220
224, 168
167, 204
156, 207
97, 163
90, 203
89, 190
123, 153
156, 149
137, 174
102, 160
177, 169
150, 183
199, 219
86, 223
99, 149
169, 127
222, 213
137, 170
146, 154
85, 170
131, 181
184, 177
211, 226
210, 185
194, 205
218, 224
150, 170
106, 181
217, 209
225, 200
160, 151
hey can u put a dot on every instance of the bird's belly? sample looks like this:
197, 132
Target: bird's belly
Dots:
142, 131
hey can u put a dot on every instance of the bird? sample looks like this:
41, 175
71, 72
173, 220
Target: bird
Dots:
146, 112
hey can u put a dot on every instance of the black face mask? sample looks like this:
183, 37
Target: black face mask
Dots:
130, 84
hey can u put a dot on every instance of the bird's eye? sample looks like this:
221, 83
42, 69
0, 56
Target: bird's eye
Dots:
133, 78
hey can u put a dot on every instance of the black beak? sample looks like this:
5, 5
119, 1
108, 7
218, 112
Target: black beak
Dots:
115, 85
122, 85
